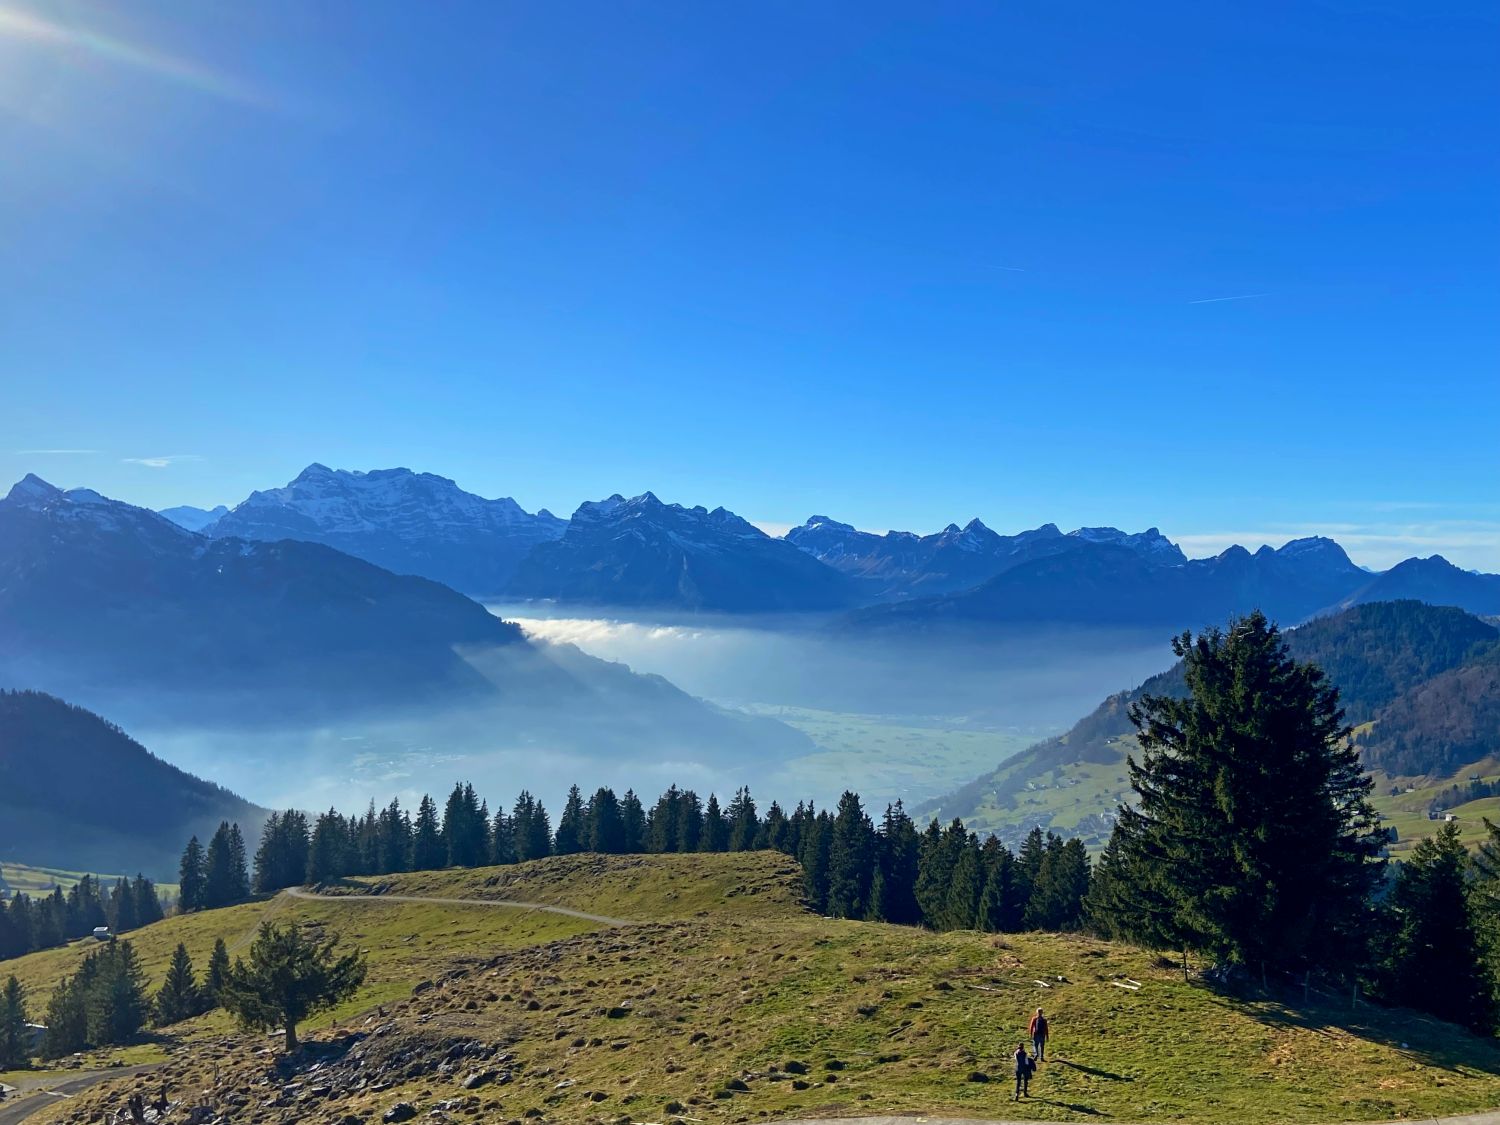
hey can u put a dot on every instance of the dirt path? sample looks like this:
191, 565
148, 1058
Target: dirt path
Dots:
47, 1093
602, 919
1491, 1117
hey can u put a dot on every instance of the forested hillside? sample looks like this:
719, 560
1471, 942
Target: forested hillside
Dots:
1421, 684
77, 791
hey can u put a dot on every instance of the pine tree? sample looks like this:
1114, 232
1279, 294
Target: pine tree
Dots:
395, 838
1029, 858
569, 838
238, 875
744, 824
179, 998
1436, 961
878, 909
1253, 821
606, 828
289, 976
715, 837
190, 877
465, 828
114, 995
531, 828
664, 825
961, 911
281, 859
850, 859
900, 849
218, 973
15, 1045
502, 839
632, 823
147, 902
817, 840
67, 1019
999, 911
427, 850
775, 831
689, 822
225, 880
122, 913
328, 854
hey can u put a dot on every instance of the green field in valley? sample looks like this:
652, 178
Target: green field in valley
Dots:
913, 758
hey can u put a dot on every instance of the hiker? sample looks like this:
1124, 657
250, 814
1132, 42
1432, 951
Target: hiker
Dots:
1025, 1067
1038, 1030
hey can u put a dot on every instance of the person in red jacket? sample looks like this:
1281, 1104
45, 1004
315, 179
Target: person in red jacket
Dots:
1038, 1029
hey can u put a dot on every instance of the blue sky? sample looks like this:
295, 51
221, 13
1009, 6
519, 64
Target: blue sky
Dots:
899, 264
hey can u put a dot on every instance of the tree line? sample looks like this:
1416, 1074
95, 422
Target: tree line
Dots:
853, 865
28, 924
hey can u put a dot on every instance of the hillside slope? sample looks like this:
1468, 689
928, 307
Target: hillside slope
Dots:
1419, 681
78, 792
726, 1002
121, 610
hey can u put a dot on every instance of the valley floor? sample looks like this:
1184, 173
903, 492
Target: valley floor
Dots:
723, 1000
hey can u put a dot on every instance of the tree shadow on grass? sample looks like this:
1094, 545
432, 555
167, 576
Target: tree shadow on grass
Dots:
1414, 1035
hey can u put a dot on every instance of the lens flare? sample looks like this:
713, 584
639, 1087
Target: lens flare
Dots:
25, 26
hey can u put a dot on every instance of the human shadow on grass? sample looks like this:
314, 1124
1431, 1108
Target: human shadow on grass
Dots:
1414, 1035
1093, 1071
1072, 1107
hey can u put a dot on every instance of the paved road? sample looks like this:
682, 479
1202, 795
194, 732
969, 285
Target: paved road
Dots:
44, 1094
602, 919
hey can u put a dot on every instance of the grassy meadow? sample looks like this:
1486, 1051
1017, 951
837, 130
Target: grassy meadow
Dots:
724, 1000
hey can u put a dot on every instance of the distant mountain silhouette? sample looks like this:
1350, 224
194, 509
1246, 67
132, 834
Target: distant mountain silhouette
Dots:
120, 609
1107, 583
79, 793
194, 519
404, 522
1436, 581
642, 552
901, 564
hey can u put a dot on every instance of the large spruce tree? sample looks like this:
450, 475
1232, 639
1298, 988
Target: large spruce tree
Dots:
1253, 839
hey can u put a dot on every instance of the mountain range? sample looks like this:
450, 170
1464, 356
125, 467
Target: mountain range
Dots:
119, 609
405, 522
79, 793
1419, 683
1104, 582
641, 553
901, 564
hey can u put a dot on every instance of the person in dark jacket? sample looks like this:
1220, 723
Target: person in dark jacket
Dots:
1024, 1068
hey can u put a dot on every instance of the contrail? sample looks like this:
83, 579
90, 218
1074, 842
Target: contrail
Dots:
1241, 297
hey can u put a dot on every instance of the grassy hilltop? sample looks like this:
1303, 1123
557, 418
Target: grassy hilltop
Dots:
724, 1000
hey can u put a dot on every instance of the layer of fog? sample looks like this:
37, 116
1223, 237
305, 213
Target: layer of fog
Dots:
1020, 679
1027, 684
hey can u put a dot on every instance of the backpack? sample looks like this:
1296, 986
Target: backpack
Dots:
1030, 1065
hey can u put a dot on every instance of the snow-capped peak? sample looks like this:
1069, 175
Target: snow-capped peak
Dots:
32, 491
